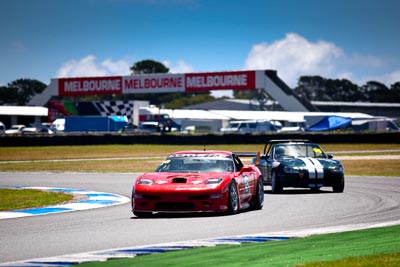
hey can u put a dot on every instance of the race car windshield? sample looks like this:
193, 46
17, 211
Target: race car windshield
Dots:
298, 150
196, 164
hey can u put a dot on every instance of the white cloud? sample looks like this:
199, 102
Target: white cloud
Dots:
346, 75
88, 66
366, 60
388, 78
295, 56
393, 77
120, 67
180, 67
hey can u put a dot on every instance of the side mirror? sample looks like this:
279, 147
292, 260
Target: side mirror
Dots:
246, 169
330, 156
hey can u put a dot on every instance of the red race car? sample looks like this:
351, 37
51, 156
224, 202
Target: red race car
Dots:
194, 181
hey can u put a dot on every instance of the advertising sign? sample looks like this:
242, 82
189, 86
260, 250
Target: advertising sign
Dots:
156, 83
89, 86
237, 80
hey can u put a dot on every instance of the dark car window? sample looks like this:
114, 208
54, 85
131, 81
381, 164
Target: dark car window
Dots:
286, 151
195, 164
238, 163
316, 152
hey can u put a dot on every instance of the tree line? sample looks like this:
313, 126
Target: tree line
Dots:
312, 88
317, 88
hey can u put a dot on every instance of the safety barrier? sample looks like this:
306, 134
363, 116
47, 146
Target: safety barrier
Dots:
204, 139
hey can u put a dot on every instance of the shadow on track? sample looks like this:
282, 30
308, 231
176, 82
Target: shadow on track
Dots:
298, 191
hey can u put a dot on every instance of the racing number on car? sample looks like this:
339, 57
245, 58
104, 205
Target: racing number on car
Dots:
246, 184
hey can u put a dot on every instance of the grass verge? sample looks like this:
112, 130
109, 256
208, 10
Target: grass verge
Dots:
17, 199
356, 248
83, 157
138, 150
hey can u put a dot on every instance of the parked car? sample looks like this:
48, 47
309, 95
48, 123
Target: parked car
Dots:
130, 128
301, 164
194, 181
37, 128
2, 128
15, 129
58, 125
150, 126
29, 130
252, 126
159, 126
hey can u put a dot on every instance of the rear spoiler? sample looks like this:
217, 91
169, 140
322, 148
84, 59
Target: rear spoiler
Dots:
249, 154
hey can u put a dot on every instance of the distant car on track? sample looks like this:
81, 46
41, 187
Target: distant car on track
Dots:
194, 181
300, 164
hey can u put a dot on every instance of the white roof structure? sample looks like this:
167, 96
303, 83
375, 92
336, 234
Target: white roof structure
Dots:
228, 115
355, 104
261, 115
23, 111
193, 114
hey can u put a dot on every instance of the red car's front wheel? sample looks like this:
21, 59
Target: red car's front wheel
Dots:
233, 199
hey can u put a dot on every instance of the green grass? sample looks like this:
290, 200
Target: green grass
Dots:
16, 199
136, 150
354, 247
84, 153
382, 260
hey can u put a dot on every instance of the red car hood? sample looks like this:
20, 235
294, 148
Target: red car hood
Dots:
169, 180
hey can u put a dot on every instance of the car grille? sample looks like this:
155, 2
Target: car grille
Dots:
151, 197
174, 206
201, 197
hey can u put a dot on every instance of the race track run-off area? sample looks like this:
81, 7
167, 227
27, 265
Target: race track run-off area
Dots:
113, 231
84, 200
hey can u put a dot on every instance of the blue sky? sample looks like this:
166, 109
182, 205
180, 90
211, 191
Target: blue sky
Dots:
354, 39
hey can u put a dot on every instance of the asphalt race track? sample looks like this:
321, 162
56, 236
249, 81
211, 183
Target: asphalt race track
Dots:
366, 200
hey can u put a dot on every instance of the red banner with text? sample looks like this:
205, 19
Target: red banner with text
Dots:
237, 80
89, 86
157, 83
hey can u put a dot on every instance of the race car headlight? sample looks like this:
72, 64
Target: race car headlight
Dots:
214, 181
337, 168
145, 182
291, 169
